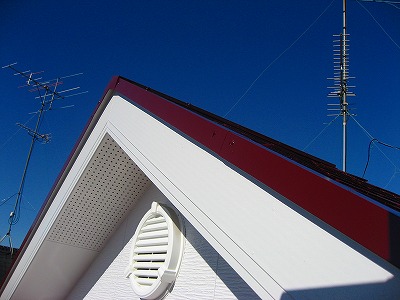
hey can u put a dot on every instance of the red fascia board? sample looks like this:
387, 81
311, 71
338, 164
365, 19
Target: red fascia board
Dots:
369, 224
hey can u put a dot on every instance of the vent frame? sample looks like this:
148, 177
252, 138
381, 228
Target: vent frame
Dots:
156, 252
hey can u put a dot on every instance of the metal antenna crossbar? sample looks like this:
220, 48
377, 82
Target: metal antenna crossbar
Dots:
37, 136
31, 80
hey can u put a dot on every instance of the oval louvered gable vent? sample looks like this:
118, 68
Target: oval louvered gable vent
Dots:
156, 253
150, 250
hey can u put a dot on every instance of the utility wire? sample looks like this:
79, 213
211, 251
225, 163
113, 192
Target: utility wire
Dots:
391, 178
369, 152
278, 57
4, 201
372, 138
388, 35
392, 3
15, 133
313, 140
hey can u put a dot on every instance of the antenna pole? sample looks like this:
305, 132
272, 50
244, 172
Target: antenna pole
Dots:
340, 86
14, 215
46, 104
343, 83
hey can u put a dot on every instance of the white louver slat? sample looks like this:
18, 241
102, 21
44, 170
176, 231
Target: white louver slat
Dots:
152, 242
151, 249
146, 273
158, 219
148, 264
146, 281
149, 257
156, 253
154, 227
153, 234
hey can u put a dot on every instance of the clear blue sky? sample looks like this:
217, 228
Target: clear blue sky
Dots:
207, 53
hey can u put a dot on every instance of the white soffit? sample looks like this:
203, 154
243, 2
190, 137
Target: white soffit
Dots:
107, 189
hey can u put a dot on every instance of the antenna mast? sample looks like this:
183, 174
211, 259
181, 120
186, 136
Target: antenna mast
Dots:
341, 76
47, 93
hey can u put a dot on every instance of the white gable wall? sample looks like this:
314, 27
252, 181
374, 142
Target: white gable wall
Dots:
203, 274
278, 249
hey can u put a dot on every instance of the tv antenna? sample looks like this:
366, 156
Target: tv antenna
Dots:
340, 80
48, 92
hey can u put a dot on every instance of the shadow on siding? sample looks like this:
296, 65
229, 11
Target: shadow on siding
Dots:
239, 288
384, 290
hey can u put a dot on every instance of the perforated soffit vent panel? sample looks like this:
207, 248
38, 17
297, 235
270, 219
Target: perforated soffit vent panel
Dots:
106, 191
156, 253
